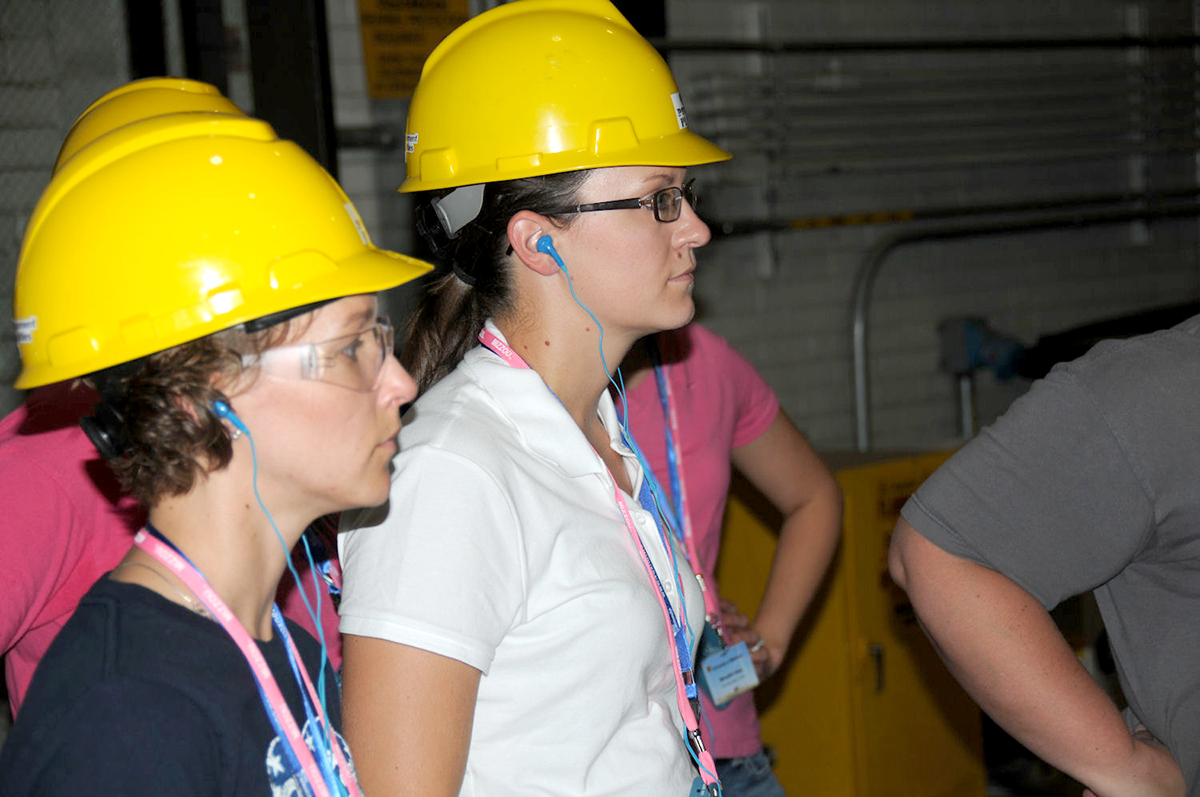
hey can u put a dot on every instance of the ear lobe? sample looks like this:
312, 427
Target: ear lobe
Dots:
524, 230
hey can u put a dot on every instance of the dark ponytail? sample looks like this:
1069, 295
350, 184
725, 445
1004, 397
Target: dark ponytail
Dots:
446, 322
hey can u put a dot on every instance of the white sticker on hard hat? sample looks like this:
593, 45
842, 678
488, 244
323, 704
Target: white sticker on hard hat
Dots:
25, 328
410, 142
680, 113
358, 225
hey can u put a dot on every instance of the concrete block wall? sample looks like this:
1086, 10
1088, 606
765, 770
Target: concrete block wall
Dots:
56, 57
879, 19
784, 298
794, 322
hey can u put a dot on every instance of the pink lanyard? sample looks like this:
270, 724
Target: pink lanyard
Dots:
688, 710
267, 685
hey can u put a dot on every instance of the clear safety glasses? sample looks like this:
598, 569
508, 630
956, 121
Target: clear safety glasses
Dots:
666, 203
353, 361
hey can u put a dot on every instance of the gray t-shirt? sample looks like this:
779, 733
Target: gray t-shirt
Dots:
1091, 481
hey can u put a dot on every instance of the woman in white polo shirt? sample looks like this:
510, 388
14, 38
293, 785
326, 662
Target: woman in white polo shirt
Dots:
515, 620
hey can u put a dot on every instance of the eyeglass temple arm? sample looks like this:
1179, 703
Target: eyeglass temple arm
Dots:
616, 204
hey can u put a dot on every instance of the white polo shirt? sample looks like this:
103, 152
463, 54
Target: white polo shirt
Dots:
502, 546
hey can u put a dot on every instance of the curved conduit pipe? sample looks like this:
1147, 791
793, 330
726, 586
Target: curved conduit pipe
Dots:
871, 265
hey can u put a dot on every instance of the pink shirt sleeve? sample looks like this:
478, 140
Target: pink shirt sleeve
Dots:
65, 525
753, 401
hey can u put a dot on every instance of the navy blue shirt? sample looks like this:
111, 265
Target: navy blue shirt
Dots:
140, 696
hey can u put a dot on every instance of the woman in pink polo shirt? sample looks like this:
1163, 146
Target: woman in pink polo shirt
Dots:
696, 407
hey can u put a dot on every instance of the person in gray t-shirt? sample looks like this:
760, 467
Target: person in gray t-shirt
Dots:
1091, 481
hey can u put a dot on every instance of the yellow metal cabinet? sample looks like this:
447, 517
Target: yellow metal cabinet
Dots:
864, 708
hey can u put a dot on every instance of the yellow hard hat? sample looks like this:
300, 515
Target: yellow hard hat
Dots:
539, 87
172, 215
142, 99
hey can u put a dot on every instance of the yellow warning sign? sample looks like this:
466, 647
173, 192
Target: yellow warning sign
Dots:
398, 36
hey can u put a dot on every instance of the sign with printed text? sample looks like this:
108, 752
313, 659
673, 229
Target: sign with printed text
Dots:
398, 35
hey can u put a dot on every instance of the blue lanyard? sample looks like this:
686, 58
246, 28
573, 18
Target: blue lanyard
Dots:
677, 628
664, 399
321, 736
648, 498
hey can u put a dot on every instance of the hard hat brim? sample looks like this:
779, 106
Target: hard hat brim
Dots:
366, 272
681, 149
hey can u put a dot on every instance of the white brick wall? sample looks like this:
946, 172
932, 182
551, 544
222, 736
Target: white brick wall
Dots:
56, 57
795, 324
782, 298
786, 304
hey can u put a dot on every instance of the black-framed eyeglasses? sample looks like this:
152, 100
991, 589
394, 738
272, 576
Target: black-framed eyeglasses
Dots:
667, 203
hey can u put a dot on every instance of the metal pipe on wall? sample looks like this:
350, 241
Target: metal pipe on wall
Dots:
966, 405
909, 45
871, 265
752, 226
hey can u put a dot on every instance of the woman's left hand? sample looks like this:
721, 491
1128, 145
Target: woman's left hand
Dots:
738, 628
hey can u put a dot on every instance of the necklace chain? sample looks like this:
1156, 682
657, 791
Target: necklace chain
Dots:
191, 603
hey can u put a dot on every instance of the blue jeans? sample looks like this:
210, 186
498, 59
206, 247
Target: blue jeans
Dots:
750, 776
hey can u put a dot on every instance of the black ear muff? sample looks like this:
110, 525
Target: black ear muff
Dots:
105, 427
429, 226
440, 221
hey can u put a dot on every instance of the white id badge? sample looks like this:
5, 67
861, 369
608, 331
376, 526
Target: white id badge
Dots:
729, 673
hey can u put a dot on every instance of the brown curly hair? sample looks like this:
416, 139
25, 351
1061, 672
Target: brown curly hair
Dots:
171, 433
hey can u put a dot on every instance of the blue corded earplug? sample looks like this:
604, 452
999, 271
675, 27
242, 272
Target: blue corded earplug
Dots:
545, 245
225, 412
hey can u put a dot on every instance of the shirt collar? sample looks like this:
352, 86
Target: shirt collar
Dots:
540, 419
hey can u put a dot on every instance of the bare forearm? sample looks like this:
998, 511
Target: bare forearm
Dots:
782, 465
807, 542
1021, 671
1006, 651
